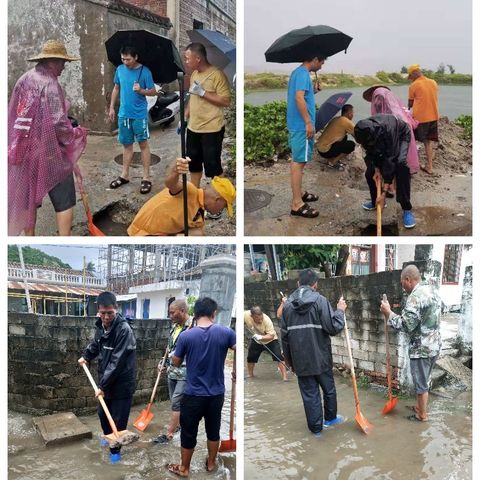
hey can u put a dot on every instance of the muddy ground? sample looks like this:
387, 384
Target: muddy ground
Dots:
442, 203
279, 445
114, 210
29, 459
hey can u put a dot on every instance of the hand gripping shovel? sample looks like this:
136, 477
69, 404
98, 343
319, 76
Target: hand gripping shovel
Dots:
230, 445
379, 208
115, 438
362, 422
146, 416
392, 401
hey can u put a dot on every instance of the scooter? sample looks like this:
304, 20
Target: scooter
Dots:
162, 107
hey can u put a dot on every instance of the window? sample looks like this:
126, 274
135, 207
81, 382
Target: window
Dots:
197, 25
390, 257
361, 260
451, 264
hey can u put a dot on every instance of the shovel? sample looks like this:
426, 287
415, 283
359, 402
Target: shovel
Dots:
230, 445
94, 230
180, 77
146, 416
115, 438
379, 209
362, 422
392, 401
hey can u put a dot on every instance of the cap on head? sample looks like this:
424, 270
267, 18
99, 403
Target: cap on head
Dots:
413, 68
224, 187
53, 49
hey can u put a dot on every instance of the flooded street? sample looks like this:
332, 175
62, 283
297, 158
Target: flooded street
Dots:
279, 445
29, 459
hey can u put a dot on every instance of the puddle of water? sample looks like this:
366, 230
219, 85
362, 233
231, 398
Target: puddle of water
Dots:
29, 459
278, 444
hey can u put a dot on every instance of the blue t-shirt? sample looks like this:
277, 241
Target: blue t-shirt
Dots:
205, 350
299, 80
133, 104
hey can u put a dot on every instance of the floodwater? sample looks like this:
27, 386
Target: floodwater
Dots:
453, 100
29, 459
279, 445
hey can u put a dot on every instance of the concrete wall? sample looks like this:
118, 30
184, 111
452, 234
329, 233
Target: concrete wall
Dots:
84, 26
365, 322
43, 374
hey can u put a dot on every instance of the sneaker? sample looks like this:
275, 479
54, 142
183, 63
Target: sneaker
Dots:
214, 216
317, 434
115, 457
370, 206
408, 219
104, 442
336, 421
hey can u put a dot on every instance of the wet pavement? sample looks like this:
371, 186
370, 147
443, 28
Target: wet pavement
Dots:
115, 209
279, 445
29, 459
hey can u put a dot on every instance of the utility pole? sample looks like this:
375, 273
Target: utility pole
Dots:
27, 293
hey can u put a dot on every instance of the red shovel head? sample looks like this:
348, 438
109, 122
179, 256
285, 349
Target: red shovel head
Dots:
363, 423
390, 405
228, 445
94, 231
143, 420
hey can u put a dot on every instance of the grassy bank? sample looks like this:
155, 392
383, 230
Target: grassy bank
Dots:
273, 81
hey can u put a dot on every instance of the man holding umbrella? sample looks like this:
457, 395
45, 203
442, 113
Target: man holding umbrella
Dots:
133, 82
210, 94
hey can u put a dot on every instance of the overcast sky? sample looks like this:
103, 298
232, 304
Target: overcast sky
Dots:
387, 34
72, 254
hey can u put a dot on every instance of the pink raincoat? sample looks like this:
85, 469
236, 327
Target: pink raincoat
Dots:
43, 147
384, 101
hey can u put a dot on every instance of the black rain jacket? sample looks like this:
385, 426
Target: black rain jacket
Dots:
385, 139
308, 321
116, 352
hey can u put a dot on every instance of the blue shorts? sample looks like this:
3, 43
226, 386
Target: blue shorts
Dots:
131, 130
301, 146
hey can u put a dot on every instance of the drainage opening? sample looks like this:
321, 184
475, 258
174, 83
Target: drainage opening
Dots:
387, 230
114, 219
256, 199
137, 159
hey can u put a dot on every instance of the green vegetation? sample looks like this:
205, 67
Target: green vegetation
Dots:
466, 122
363, 381
33, 256
265, 131
231, 131
191, 299
272, 81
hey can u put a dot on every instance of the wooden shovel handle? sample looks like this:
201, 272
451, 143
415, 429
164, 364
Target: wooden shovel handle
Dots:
352, 368
164, 359
232, 400
379, 209
101, 400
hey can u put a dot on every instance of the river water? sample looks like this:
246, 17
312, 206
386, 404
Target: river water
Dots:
453, 100
29, 459
278, 444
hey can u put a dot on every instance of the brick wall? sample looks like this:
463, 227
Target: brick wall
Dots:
43, 373
365, 322
158, 7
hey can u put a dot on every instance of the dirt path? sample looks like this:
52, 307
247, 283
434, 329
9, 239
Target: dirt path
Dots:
442, 202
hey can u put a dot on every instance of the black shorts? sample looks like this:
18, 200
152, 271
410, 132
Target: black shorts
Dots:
205, 152
192, 410
427, 131
63, 195
337, 148
255, 350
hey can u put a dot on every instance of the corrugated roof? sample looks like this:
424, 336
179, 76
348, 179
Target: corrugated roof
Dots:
49, 288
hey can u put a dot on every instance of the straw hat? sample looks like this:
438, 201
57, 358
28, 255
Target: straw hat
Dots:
53, 49
367, 94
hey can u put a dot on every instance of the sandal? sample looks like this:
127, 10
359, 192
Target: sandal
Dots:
424, 169
309, 197
162, 439
206, 467
118, 182
305, 211
414, 418
175, 469
145, 186
339, 166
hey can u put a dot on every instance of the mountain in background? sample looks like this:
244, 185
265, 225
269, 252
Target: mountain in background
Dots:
33, 256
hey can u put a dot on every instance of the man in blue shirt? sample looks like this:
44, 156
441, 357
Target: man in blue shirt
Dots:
301, 131
205, 348
133, 82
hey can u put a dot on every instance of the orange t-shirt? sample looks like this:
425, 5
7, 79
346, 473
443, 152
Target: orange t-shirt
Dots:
424, 93
163, 213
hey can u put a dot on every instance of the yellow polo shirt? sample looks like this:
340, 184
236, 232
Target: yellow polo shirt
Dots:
264, 328
163, 213
335, 131
204, 116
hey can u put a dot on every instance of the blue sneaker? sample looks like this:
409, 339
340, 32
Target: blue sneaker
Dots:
336, 421
115, 457
368, 205
104, 442
408, 219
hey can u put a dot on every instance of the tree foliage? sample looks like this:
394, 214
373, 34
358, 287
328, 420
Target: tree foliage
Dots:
34, 256
321, 257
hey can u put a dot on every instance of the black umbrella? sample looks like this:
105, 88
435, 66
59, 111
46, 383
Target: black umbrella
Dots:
157, 53
305, 43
